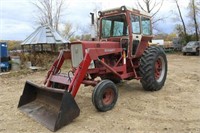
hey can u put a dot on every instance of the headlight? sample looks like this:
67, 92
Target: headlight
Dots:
100, 13
123, 8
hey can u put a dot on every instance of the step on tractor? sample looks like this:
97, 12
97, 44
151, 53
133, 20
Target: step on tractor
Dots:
122, 52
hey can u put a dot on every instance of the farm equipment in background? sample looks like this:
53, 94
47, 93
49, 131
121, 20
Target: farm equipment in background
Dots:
4, 57
192, 47
122, 53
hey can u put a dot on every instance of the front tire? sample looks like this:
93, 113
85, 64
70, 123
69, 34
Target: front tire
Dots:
104, 96
153, 68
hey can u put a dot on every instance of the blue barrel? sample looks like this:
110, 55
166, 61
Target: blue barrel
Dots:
4, 49
4, 62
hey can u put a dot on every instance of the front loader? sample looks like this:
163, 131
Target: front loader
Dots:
122, 53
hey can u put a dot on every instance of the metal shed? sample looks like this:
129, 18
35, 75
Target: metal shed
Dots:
44, 35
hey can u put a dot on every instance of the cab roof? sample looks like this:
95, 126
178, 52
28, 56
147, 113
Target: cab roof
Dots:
123, 9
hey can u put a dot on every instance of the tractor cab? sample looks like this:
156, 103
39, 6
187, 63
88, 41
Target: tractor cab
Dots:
128, 26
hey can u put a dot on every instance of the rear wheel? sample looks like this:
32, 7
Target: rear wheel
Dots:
184, 53
105, 95
153, 68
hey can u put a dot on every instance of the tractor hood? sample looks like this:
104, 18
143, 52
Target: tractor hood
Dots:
79, 49
97, 44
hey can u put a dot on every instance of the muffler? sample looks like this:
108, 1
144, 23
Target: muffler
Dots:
53, 108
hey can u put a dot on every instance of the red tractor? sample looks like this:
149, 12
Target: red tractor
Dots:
122, 53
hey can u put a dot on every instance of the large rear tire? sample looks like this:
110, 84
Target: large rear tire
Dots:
153, 68
104, 96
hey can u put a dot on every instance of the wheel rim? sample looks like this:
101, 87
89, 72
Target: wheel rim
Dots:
159, 69
108, 96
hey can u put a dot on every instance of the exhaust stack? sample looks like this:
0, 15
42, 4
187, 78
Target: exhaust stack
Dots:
92, 27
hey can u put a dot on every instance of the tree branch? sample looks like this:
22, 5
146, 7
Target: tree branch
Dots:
140, 6
158, 9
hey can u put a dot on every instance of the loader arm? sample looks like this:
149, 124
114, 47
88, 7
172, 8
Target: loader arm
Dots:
56, 66
79, 75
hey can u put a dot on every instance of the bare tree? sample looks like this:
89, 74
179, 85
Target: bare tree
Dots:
193, 11
68, 31
153, 7
181, 17
179, 30
49, 12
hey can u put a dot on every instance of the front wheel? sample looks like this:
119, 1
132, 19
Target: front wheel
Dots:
153, 68
104, 96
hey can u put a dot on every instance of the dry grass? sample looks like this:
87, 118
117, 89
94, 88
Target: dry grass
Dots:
44, 60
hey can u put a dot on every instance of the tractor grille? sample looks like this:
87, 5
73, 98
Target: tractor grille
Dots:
77, 54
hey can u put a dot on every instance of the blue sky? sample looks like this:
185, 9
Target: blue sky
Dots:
17, 21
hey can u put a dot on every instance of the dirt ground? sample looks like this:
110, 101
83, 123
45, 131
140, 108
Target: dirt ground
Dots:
174, 109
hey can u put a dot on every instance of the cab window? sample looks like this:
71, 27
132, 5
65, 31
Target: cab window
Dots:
146, 26
135, 20
114, 26
106, 28
118, 28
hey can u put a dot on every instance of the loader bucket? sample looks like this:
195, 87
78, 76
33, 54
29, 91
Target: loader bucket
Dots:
53, 108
